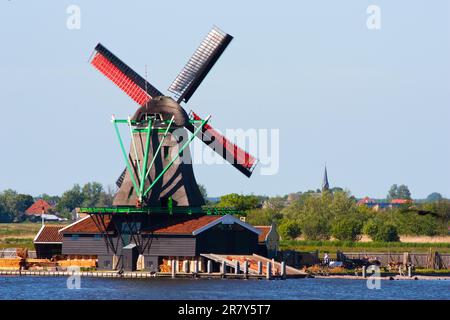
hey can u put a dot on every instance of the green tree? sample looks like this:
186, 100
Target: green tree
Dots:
4, 215
399, 192
106, 198
289, 229
70, 200
346, 228
91, 194
263, 217
379, 230
13, 205
387, 233
370, 228
315, 228
434, 197
203, 192
275, 203
239, 202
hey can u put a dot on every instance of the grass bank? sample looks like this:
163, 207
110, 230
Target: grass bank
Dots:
14, 235
354, 246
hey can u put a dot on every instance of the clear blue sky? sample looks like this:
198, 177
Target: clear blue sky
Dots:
373, 105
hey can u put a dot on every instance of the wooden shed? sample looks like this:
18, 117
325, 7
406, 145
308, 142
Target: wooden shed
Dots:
48, 242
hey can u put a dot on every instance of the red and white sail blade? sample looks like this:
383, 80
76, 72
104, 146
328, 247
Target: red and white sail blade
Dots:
239, 158
136, 87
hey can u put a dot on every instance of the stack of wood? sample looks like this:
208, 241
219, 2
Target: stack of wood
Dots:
165, 266
10, 263
88, 263
40, 263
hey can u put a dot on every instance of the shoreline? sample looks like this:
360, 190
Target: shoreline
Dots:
388, 277
147, 275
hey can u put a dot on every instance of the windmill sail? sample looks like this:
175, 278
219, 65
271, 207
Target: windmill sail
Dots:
123, 76
201, 62
239, 158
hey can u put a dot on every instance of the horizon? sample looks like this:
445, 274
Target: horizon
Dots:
371, 104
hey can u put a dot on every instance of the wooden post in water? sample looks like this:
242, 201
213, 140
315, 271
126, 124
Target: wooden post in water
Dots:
269, 270
195, 267
283, 270
185, 266
224, 268
208, 267
260, 271
364, 271
237, 267
173, 268
409, 271
246, 269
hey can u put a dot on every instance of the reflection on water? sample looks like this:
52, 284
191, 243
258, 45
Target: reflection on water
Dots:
95, 288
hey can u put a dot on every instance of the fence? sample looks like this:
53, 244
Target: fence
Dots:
430, 260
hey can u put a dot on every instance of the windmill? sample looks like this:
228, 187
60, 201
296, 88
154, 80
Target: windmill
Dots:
154, 175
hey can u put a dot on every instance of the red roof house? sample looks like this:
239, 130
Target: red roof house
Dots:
38, 208
400, 201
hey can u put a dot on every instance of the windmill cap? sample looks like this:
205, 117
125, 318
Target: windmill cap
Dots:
166, 107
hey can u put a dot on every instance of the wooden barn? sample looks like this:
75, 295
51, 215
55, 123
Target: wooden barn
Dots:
167, 237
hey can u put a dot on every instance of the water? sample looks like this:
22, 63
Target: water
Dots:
15, 287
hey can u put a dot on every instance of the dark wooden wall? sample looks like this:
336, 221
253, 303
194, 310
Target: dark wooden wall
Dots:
227, 239
47, 251
85, 245
171, 246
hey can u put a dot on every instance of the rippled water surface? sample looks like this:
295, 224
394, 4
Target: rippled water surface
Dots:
94, 288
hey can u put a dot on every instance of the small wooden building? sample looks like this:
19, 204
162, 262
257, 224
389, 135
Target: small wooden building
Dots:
48, 242
268, 241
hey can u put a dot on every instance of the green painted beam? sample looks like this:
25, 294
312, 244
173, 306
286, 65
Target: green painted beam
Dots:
125, 155
149, 210
159, 147
197, 130
144, 163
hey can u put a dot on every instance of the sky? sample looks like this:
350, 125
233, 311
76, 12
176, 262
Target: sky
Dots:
373, 105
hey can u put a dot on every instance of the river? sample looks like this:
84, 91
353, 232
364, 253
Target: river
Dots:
46, 288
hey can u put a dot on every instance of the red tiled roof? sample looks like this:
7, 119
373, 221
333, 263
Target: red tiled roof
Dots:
177, 226
264, 232
39, 207
365, 200
85, 225
400, 201
49, 234
185, 225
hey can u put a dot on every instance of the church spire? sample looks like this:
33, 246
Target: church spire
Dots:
325, 184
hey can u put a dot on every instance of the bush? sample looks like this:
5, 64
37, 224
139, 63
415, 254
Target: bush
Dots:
381, 231
387, 233
346, 229
289, 229
315, 228
263, 217
371, 228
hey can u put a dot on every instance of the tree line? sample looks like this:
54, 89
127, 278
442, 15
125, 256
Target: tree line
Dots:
337, 214
313, 215
92, 194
